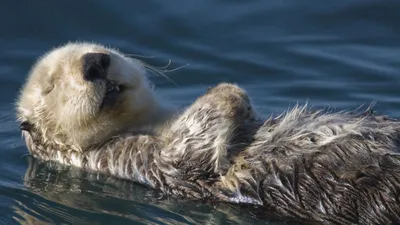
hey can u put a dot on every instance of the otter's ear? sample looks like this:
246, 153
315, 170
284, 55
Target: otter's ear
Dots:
26, 126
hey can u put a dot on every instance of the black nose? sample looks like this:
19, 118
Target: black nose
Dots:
95, 65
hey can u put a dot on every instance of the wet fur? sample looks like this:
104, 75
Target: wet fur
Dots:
307, 165
338, 168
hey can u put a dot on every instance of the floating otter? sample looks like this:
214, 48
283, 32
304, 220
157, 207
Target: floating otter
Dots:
306, 165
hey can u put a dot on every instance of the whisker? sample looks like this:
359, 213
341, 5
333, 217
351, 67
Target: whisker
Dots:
166, 66
159, 70
141, 56
177, 68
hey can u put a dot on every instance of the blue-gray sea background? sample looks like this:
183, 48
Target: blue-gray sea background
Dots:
327, 53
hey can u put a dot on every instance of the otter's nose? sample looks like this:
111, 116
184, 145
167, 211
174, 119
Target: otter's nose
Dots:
95, 65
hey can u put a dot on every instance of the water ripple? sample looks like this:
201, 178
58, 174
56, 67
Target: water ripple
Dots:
338, 53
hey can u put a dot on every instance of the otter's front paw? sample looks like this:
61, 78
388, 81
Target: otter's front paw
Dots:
231, 100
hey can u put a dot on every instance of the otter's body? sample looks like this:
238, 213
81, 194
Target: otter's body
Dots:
339, 168
332, 168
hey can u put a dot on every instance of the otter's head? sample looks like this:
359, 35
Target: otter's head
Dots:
81, 94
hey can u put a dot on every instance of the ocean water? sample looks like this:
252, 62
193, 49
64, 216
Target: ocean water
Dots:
337, 54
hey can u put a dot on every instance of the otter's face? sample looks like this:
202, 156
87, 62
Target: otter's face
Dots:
81, 93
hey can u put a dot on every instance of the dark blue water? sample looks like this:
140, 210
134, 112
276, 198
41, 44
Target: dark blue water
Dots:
329, 53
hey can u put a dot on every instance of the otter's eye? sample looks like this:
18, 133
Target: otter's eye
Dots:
95, 65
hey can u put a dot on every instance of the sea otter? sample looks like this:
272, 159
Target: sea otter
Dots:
306, 165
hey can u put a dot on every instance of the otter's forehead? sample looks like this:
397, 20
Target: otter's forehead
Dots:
70, 55
70, 61
78, 49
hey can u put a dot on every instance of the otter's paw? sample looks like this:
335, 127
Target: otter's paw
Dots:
231, 100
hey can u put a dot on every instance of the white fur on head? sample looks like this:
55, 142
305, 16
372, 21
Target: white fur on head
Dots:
65, 107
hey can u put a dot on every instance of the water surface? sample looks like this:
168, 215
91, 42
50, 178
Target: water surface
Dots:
332, 53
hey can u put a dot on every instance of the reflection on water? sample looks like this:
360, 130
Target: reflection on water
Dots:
73, 196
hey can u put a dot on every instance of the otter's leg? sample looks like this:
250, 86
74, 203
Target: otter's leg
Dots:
198, 140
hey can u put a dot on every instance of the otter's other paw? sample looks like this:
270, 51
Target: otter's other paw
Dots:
199, 139
231, 101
